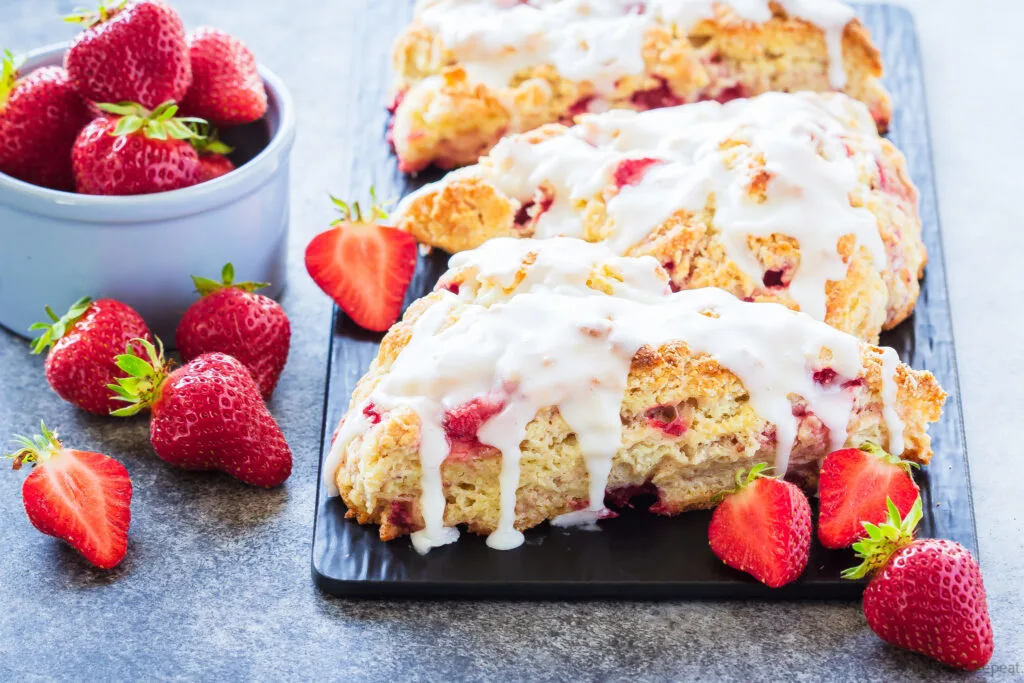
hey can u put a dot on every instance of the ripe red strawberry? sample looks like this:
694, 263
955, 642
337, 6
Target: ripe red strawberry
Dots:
85, 342
227, 89
206, 415
854, 486
40, 117
230, 318
763, 528
136, 151
80, 497
365, 267
925, 595
213, 160
133, 52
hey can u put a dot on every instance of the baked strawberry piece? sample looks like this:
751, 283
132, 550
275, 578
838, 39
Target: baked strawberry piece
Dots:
363, 266
80, 497
206, 415
231, 318
84, 342
41, 115
130, 52
227, 89
132, 150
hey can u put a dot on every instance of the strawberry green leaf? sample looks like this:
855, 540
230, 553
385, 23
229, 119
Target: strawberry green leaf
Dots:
144, 383
36, 449
90, 17
205, 285
884, 539
58, 325
9, 66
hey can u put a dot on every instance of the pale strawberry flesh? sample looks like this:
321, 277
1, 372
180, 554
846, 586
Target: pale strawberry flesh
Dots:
366, 269
83, 498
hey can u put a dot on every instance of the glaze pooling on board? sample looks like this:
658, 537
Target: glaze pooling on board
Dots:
599, 41
556, 342
707, 153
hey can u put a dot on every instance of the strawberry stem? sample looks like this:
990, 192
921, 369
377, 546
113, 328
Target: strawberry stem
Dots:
205, 285
158, 124
208, 141
884, 539
90, 17
354, 212
144, 383
58, 326
37, 449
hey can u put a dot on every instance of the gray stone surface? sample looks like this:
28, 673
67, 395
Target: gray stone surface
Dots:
217, 585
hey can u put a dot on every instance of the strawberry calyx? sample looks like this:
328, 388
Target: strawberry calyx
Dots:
58, 325
208, 141
205, 285
745, 478
353, 213
91, 17
144, 383
37, 449
874, 449
884, 539
157, 124
9, 65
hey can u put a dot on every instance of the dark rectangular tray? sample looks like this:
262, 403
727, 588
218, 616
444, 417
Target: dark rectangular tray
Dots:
638, 555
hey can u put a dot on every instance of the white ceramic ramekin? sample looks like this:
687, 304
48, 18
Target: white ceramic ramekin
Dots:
56, 247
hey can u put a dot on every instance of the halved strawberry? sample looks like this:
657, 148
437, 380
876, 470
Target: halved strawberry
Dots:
81, 497
763, 528
365, 267
853, 487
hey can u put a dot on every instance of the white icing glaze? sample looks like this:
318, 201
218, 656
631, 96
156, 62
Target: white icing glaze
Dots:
893, 423
558, 343
600, 41
801, 139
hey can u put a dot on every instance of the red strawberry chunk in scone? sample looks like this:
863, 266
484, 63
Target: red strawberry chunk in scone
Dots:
671, 420
462, 423
632, 171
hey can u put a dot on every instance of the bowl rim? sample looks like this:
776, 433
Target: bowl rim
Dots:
164, 205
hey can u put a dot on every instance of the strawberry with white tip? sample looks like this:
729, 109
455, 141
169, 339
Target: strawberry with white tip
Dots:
81, 497
925, 595
364, 266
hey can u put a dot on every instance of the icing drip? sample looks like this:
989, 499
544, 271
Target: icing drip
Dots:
893, 423
707, 154
558, 344
600, 41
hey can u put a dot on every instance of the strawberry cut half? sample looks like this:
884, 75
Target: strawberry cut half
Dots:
364, 267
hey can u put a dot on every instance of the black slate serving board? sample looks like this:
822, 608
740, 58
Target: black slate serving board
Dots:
638, 555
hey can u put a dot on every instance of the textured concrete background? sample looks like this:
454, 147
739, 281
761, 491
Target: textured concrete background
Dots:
216, 584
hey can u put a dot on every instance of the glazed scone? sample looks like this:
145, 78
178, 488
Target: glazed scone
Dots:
787, 198
543, 377
471, 71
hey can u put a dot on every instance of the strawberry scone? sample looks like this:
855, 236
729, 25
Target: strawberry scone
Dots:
788, 198
544, 378
471, 71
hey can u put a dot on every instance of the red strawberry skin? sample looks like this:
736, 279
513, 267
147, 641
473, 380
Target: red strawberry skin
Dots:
365, 268
764, 530
226, 86
853, 488
38, 125
210, 416
138, 55
930, 598
83, 498
251, 327
214, 166
81, 364
131, 164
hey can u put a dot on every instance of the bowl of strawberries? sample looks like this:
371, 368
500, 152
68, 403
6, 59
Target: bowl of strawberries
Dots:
134, 157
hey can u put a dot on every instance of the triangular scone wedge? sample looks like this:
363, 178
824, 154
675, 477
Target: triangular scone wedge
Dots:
542, 379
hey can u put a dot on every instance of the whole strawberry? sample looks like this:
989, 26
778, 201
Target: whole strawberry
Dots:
230, 318
763, 528
854, 485
135, 151
227, 89
40, 117
925, 595
81, 497
134, 52
85, 342
206, 415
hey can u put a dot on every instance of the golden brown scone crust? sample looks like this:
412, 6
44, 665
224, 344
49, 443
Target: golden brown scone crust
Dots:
379, 474
442, 119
